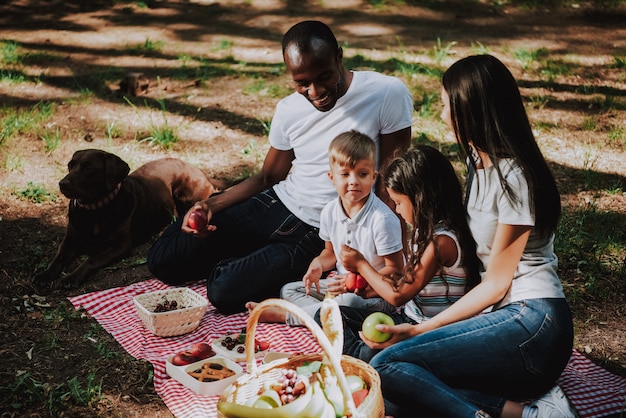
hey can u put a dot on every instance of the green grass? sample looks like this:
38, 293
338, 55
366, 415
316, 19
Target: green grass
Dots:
440, 52
10, 53
529, 58
617, 136
14, 121
222, 45
587, 246
147, 47
35, 193
51, 139
161, 135
29, 390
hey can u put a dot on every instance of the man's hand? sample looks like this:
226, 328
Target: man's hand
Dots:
205, 232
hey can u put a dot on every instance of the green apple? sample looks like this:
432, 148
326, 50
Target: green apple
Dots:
369, 327
355, 382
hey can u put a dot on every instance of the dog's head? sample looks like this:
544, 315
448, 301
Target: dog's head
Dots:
93, 175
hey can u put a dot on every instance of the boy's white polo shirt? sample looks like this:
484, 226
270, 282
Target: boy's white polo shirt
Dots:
375, 231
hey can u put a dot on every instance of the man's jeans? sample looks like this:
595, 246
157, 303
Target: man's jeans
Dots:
516, 352
258, 246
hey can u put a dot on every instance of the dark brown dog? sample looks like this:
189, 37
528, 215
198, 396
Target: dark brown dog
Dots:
111, 212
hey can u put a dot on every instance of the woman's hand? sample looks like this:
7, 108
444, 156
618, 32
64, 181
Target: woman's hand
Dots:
399, 332
350, 258
201, 206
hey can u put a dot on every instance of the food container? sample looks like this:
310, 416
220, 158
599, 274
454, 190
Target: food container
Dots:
181, 373
191, 307
238, 352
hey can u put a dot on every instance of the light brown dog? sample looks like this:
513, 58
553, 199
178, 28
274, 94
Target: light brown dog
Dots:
111, 211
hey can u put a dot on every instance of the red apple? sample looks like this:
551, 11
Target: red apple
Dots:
184, 358
361, 283
369, 327
354, 281
197, 220
202, 350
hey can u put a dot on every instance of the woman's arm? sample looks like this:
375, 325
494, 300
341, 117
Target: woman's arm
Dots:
507, 250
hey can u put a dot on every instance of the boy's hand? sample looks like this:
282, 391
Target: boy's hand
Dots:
312, 276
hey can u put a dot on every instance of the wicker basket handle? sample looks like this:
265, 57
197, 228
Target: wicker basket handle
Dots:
330, 354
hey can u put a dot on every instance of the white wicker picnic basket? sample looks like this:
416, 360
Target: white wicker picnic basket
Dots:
191, 309
248, 385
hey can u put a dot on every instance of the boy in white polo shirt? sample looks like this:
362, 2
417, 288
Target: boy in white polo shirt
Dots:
357, 218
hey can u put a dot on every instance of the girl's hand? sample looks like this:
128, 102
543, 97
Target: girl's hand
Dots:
350, 258
399, 332
337, 286
202, 206
312, 276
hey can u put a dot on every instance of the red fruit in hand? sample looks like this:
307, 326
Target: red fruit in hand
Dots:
202, 350
183, 358
361, 283
197, 220
354, 281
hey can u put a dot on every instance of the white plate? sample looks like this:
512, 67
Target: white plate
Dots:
233, 354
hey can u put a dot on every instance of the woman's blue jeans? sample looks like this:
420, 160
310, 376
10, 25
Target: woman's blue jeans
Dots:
516, 352
258, 246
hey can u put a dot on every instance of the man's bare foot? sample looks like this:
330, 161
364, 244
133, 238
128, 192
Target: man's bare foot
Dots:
269, 314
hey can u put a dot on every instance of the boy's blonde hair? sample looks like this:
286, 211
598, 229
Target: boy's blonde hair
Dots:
350, 147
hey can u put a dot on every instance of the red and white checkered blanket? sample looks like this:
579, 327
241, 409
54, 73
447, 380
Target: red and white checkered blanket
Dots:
593, 391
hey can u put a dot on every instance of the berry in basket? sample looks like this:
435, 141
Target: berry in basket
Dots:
233, 346
166, 305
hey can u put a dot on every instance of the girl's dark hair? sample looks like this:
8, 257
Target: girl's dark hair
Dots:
486, 110
427, 177
304, 34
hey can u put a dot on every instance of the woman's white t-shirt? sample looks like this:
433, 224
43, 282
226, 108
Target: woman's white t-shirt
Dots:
536, 275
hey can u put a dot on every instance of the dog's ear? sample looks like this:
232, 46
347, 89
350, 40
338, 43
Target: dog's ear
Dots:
116, 170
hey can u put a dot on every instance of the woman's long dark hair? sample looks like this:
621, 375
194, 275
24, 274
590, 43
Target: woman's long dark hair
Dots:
487, 113
427, 177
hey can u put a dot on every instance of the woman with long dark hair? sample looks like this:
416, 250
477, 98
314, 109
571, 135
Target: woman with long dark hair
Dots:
510, 337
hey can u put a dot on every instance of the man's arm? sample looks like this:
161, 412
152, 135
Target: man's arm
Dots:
275, 168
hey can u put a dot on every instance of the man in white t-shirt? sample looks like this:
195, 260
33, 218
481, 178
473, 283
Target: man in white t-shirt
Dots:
263, 232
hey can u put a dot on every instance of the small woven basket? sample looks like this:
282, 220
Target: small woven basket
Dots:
191, 309
248, 385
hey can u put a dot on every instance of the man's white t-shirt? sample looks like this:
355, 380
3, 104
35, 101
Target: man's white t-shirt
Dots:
374, 104
375, 231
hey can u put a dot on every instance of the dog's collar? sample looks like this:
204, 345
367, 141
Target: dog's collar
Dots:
100, 204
